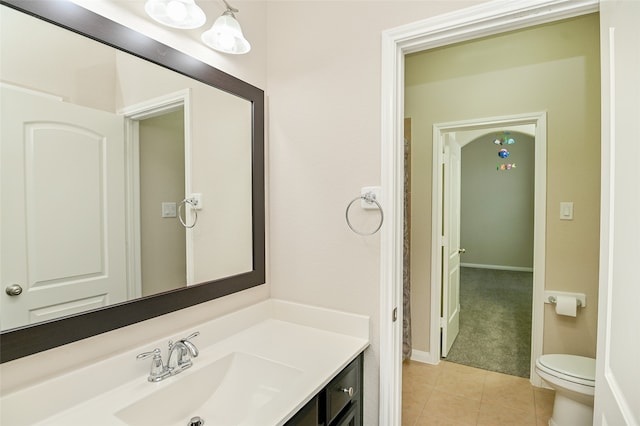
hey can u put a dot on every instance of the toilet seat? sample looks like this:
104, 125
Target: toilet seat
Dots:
572, 368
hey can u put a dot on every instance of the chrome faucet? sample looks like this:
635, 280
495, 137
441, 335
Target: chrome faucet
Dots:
179, 358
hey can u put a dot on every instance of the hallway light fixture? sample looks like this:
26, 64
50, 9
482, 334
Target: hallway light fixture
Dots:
226, 35
183, 14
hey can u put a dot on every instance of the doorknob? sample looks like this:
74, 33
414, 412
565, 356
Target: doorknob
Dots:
462, 251
13, 290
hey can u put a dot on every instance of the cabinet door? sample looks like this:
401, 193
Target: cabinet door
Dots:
307, 416
351, 417
338, 404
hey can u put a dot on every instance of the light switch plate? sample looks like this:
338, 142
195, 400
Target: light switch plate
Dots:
566, 210
168, 209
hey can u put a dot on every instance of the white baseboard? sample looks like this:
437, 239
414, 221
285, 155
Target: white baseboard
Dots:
499, 267
424, 357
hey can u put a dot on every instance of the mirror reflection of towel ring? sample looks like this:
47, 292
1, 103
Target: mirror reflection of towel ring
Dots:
369, 198
192, 202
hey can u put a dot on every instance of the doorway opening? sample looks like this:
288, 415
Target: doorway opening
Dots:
489, 252
469, 24
161, 174
445, 248
488, 193
158, 177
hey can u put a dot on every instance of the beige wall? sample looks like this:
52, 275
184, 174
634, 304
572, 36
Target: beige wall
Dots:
553, 68
74, 82
496, 207
324, 104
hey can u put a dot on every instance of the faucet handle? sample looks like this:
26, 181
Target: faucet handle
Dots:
154, 353
191, 336
157, 358
186, 341
158, 370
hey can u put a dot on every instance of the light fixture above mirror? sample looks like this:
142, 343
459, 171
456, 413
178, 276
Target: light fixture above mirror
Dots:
183, 14
224, 36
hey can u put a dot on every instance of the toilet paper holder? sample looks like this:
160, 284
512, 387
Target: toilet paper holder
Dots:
552, 296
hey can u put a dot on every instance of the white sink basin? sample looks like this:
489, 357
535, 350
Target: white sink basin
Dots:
222, 393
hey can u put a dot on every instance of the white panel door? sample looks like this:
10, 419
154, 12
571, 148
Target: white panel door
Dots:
62, 190
451, 251
617, 397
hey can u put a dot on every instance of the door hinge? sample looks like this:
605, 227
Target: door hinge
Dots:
394, 314
442, 322
443, 241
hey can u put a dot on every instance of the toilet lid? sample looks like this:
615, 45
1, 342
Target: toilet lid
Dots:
574, 368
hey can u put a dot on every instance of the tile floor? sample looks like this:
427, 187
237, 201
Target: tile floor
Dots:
456, 395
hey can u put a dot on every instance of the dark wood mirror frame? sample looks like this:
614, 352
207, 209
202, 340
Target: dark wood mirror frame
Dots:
20, 342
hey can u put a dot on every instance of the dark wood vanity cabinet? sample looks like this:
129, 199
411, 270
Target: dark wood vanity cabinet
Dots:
338, 404
309, 415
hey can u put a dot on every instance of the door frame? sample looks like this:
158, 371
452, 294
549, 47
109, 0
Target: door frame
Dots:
133, 115
539, 120
485, 19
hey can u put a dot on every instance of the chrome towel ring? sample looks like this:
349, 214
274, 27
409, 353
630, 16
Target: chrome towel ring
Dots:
191, 202
369, 198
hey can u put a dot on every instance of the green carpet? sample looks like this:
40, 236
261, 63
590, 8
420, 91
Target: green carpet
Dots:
495, 321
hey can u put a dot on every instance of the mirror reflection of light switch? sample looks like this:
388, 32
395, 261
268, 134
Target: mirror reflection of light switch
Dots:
566, 211
168, 209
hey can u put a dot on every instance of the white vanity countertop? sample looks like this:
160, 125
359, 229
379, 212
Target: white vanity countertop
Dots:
314, 344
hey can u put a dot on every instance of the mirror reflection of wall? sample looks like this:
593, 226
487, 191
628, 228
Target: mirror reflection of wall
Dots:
216, 127
162, 186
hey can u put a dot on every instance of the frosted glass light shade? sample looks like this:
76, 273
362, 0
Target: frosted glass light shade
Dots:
183, 14
226, 35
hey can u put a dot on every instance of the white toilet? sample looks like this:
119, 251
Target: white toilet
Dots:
573, 379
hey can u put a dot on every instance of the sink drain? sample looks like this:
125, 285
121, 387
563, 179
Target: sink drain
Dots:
196, 421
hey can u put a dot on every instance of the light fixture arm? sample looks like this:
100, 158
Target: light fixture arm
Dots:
230, 8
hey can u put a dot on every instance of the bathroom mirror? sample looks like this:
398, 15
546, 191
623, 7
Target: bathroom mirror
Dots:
146, 81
